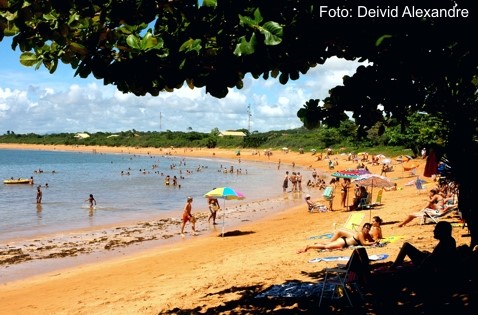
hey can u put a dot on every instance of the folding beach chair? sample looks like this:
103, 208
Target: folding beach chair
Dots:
378, 201
430, 215
365, 203
329, 195
349, 279
353, 222
419, 185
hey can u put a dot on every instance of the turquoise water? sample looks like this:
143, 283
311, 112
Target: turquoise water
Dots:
141, 195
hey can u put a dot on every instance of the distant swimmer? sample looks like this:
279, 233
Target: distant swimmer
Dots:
91, 200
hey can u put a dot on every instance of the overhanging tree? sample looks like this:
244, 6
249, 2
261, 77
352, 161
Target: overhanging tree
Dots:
426, 64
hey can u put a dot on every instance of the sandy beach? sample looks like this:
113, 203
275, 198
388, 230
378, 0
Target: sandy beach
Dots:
211, 274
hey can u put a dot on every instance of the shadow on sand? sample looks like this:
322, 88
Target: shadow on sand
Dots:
398, 292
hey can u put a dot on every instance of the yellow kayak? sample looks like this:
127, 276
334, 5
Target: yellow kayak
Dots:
18, 181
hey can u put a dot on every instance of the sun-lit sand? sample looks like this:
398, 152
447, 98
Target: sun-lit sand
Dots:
208, 272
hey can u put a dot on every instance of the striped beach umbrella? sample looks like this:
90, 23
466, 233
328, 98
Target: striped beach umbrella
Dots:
226, 193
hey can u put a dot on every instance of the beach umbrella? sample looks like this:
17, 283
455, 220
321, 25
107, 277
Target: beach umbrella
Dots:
226, 193
350, 173
386, 161
410, 165
373, 180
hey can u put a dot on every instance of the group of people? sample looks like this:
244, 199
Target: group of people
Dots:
441, 259
214, 207
295, 179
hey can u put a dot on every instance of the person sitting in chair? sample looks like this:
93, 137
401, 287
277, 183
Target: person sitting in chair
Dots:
360, 193
314, 205
435, 206
440, 260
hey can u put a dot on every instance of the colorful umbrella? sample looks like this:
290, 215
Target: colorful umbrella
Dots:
350, 173
225, 193
373, 180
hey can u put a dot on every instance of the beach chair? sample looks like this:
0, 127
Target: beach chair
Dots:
353, 222
378, 201
430, 215
419, 185
316, 207
365, 203
328, 195
347, 280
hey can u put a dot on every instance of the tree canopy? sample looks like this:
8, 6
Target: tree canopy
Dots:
420, 57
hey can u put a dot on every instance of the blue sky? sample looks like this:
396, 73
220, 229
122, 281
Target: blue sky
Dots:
34, 101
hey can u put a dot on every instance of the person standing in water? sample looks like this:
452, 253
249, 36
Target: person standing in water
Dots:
91, 200
39, 194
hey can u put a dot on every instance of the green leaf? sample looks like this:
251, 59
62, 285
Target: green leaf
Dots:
257, 16
273, 33
245, 47
247, 21
78, 48
133, 41
29, 59
381, 39
191, 45
148, 42
209, 3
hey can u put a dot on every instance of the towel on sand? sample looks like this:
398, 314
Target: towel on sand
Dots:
346, 258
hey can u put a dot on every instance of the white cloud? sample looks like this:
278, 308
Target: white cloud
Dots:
35, 101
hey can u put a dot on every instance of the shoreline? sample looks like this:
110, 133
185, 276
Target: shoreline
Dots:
47, 252
215, 274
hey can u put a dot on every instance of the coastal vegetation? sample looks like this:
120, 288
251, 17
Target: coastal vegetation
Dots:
423, 131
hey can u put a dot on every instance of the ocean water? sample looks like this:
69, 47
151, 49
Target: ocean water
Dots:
139, 196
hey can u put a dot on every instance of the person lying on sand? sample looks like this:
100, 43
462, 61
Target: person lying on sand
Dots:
375, 231
361, 238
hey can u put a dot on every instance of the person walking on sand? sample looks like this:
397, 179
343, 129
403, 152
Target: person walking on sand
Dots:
39, 194
187, 216
91, 200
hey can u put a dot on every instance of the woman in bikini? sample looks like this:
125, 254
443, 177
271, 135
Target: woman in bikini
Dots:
361, 238
344, 188
375, 231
